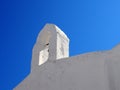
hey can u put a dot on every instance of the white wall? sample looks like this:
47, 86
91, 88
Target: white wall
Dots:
90, 71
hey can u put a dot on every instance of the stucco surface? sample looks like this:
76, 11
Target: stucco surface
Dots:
90, 71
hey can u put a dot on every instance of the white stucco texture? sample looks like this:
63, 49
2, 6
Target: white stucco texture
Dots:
53, 69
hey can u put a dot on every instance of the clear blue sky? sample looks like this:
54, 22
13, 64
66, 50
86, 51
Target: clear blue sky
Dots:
91, 25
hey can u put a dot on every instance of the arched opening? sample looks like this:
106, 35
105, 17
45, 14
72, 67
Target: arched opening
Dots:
44, 53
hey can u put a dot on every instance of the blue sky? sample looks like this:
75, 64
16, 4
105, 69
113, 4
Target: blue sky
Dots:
91, 25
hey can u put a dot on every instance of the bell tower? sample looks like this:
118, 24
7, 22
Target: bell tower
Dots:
52, 44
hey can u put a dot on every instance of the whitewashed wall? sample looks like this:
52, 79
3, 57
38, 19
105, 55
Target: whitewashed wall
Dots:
90, 71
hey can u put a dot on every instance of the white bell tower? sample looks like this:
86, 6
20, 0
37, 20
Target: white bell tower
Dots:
51, 44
